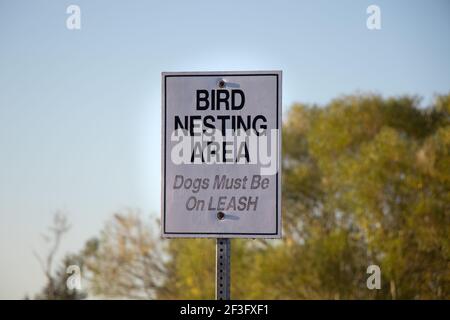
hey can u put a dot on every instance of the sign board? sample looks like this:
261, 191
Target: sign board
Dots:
221, 141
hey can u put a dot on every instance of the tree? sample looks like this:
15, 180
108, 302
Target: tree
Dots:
366, 180
374, 171
127, 260
56, 287
59, 288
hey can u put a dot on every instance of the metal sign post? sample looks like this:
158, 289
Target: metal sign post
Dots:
221, 151
223, 261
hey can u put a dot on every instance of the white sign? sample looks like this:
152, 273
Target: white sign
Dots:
221, 141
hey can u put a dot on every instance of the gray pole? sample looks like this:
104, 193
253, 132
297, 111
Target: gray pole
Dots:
223, 261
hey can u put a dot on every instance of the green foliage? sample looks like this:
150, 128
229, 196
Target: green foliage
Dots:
190, 269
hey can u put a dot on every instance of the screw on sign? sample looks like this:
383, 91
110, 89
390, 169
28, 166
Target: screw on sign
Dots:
221, 141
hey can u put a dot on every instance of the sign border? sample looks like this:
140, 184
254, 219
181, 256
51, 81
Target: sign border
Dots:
173, 234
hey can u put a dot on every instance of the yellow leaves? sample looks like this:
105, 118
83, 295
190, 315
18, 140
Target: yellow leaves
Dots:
426, 158
299, 119
443, 104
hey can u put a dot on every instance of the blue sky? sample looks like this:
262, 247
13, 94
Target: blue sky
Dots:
80, 109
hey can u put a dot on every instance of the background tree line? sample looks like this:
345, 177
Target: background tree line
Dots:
366, 180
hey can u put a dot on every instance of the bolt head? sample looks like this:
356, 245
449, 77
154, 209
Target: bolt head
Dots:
220, 215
